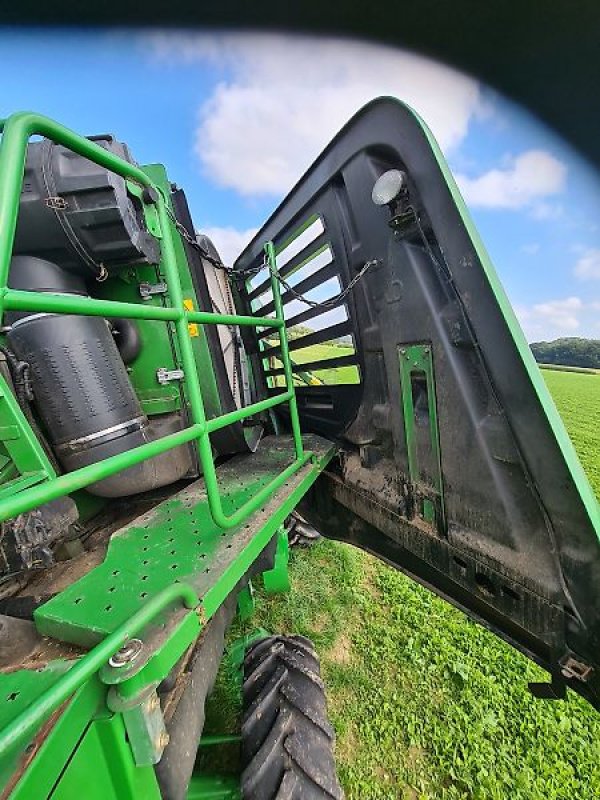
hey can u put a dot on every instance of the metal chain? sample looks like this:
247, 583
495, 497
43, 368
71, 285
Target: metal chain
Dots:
332, 301
191, 240
248, 273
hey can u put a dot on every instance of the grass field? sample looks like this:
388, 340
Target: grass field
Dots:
577, 397
426, 704
328, 376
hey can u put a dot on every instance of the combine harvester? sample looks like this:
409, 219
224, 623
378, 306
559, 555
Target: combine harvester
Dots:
155, 443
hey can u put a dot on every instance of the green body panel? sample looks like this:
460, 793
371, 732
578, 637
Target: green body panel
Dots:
210, 393
55, 750
23, 687
277, 579
416, 372
158, 345
245, 602
103, 764
25, 462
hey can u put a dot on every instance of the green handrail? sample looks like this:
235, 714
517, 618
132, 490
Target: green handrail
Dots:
19, 300
68, 683
16, 131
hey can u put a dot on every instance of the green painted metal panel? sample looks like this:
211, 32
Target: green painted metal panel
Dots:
20, 444
179, 541
102, 768
419, 406
199, 342
157, 340
21, 688
278, 579
39, 767
245, 602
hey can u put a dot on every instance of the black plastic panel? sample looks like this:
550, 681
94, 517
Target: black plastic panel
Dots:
517, 542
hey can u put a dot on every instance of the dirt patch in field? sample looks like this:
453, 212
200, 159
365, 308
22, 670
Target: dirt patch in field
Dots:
341, 652
347, 745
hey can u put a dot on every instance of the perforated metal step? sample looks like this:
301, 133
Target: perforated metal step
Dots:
178, 541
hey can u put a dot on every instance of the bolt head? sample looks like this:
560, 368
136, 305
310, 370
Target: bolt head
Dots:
153, 702
163, 740
126, 654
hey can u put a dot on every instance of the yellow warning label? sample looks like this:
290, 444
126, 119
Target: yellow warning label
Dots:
193, 328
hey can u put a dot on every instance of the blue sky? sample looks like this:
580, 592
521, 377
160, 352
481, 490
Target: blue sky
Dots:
237, 118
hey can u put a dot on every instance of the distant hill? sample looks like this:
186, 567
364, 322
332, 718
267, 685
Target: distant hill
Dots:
571, 351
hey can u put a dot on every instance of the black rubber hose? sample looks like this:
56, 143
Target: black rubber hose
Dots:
127, 338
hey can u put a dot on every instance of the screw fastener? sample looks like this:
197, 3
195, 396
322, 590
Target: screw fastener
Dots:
126, 654
163, 740
153, 702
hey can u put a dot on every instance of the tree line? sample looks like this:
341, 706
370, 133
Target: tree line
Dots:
570, 351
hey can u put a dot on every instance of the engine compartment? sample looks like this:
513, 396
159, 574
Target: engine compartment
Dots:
93, 387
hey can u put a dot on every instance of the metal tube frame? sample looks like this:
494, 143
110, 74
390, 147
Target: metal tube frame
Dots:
27, 721
16, 131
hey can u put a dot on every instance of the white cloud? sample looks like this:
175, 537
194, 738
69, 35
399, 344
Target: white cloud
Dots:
229, 241
569, 316
526, 179
284, 98
588, 265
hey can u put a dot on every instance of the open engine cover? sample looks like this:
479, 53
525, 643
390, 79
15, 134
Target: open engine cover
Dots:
456, 467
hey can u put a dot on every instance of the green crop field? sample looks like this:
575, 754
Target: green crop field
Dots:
577, 397
426, 704
329, 376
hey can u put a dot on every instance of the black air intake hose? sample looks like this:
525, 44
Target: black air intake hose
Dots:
82, 392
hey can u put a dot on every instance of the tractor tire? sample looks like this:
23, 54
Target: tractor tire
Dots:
287, 740
300, 532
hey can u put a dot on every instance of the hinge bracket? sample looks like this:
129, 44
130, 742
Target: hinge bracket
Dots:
573, 668
147, 290
164, 375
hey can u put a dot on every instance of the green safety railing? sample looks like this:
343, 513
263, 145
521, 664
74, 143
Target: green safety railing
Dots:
27, 722
16, 132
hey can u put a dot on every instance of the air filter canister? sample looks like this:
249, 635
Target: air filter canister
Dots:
82, 392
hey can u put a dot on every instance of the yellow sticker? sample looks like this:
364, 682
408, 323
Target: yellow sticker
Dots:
193, 328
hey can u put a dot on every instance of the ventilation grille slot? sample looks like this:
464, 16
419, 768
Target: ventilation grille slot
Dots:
321, 341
